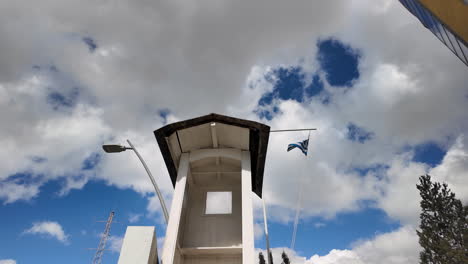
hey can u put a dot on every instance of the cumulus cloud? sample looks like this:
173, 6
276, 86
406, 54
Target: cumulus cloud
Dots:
62, 101
133, 218
454, 168
57, 92
154, 206
400, 246
11, 191
395, 99
160, 242
401, 189
319, 225
115, 243
7, 261
397, 247
48, 229
259, 230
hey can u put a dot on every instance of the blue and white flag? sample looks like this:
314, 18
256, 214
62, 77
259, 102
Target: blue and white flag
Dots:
303, 146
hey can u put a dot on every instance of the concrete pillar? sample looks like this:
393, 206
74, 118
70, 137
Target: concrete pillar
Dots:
172, 231
139, 246
248, 251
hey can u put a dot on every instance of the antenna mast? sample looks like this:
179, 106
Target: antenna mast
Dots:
102, 244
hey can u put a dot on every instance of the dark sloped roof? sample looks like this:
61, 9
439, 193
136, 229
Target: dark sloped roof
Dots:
258, 143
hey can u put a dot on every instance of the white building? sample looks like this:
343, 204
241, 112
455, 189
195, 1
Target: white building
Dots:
216, 164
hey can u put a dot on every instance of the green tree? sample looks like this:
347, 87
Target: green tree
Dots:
285, 258
443, 231
261, 258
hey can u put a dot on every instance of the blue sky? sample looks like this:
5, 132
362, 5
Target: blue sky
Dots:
79, 210
385, 113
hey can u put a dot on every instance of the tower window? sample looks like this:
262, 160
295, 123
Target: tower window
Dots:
218, 203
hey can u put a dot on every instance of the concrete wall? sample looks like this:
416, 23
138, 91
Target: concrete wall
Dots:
196, 237
202, 230
213, 260
139, 246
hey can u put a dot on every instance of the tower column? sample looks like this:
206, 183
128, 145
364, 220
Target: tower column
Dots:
172, 231
248, 251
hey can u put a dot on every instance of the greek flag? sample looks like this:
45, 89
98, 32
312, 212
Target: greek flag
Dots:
303, 146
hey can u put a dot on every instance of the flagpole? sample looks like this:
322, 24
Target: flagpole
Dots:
298, 209
296, 220
266, 230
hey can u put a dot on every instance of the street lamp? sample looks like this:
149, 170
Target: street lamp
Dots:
119, 148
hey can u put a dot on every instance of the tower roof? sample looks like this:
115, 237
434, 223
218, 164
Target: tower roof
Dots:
197, 133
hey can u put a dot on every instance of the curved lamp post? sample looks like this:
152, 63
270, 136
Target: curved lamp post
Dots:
119, 148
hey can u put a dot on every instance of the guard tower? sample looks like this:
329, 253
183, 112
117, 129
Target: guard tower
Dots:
215, 163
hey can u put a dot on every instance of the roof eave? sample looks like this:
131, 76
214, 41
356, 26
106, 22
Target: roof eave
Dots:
258, 144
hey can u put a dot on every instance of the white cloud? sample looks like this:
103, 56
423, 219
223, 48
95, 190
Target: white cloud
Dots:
400, 189
337, 257
400, 246
319, 225
154, 206
397, 247
11, 191
7, 261
259, 230
199, 59
454, 168
48, 229
133, 218
115, 243
403, 175
397, 96
160, 243
212, 57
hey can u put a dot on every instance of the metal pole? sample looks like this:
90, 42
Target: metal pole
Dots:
299, 205
158, 192
266, 230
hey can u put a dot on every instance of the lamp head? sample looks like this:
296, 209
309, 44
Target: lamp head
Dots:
113, 148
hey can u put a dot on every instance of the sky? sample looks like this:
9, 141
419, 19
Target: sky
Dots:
388, 99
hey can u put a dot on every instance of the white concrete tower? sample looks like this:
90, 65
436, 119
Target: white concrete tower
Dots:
215, 163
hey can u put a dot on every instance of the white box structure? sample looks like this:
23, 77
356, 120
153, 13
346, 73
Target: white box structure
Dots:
139, 246
215, 163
